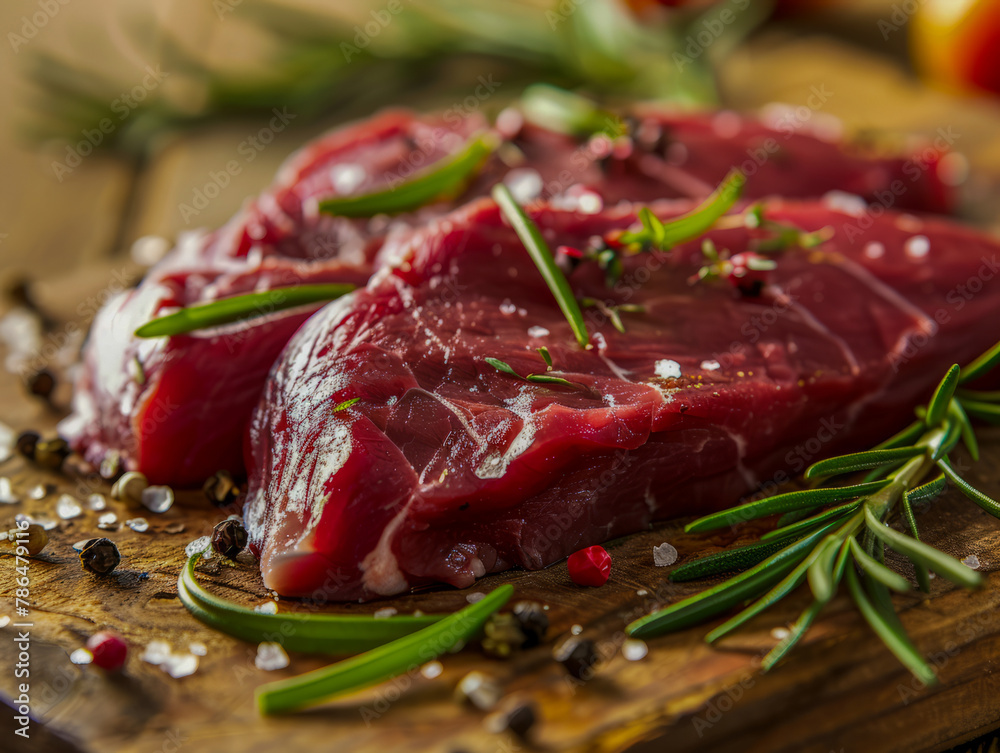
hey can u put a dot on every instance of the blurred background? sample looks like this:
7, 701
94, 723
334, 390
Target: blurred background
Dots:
116, 117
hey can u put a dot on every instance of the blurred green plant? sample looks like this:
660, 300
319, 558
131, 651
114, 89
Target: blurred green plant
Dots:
316, 64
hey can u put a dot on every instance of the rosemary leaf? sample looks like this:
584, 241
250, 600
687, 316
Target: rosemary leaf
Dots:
937, 408
537, 378
499, 365
934, 559
727, 560
834, 513
708, 603
314, 633
795, 633
876, 569
948, 442
383, 662
985, 363
239, 307
697, 222
989, 412
540, 254
821, 573
923, 577
544, 353
968, 433
444, 179
893, 636
345, 405
984, 501
781, 503
860, 461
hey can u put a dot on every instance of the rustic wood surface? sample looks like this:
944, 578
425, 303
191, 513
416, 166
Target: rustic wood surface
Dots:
841, 691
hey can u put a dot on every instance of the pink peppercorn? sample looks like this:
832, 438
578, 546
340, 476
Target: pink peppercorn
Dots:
590, 566
108, 649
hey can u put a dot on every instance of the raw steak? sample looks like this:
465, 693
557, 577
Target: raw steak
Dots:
446, 468
176, 408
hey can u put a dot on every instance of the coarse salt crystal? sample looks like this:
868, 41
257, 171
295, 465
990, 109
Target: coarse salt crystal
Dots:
97, 502
634, 649
537, 331
68, 508
81, 656
198, 545
664, 555
971, 561
268, 607
918, 247
157, 499
39, 491
432, 669
139, 525
576, 629
198, 649
6, 492
667, 369
474, 597
270, 656
156, 652
107, 522
712, 365
382, 614
180, 665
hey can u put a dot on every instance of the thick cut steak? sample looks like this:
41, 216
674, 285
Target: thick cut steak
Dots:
446, 468
177, 408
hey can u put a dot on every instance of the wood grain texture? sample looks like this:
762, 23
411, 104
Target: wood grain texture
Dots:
840, 691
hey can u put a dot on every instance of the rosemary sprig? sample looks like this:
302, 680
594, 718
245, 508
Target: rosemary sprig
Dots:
693, 224
384, 662
320, 633
541, 255
499, 365
446, 179
240, 307
849, 539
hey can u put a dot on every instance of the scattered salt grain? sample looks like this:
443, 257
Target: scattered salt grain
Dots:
156, 652
524, 182
198, 545
270, 656
108, 522
39, 491
432, 669
46, 523
507, 308
576, 629
268, 607
667, 369
180, 665
642, 592
6, 492
347, 176
97, 502
382, 614
149, 249
139, 525
918, 247
971, 561
710, 365
68, 508
158, 499
875, 250
4, 621
81, 656
664, 555
779, 633
537, 331
474, 597
8, 440
633, 649
198, 649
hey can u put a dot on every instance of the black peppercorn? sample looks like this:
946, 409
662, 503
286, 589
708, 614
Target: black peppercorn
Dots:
26, 443
533, 621
221, 490
229, 538
41, 383
503, 635
100, 556
521, 719
578, 656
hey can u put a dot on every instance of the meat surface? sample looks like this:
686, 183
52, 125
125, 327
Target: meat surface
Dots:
176, 408
445, 468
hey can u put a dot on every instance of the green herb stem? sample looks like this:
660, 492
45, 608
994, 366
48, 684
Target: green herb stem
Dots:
390, 660
240, 308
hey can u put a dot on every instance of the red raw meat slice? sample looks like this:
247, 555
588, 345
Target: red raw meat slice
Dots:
176, 408
447, 468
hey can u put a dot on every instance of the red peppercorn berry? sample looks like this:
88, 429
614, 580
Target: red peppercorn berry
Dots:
108, 649
590, 566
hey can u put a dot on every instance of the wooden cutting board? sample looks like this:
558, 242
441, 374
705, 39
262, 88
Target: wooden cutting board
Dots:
840, 691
